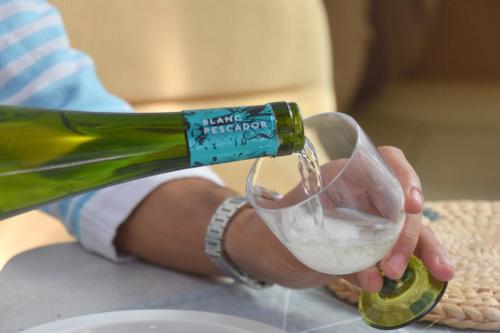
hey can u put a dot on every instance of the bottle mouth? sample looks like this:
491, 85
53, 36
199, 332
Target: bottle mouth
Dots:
298, 127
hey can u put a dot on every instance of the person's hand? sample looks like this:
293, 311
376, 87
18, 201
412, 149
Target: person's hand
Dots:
253, 247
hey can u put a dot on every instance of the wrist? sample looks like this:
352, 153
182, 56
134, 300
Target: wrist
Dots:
251, 245
215, 242
239, 231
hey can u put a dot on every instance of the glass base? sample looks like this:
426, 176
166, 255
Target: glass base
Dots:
404, 301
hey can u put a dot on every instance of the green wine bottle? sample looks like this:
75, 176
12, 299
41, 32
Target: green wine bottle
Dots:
46, 155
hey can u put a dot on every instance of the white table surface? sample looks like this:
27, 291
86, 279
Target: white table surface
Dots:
62, 281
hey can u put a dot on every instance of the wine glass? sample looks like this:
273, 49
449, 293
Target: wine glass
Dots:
339, 208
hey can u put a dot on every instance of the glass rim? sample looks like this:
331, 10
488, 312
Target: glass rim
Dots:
347, 119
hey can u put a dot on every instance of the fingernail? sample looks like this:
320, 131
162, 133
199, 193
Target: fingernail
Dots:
416, 195
443, 259
397, 263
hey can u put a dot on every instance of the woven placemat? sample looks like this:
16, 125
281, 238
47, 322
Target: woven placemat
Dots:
470, 230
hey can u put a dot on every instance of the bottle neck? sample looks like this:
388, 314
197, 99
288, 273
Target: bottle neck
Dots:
289, 127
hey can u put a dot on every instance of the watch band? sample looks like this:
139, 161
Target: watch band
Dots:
214, 242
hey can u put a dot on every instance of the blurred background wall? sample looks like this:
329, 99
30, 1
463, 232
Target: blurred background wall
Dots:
424, 75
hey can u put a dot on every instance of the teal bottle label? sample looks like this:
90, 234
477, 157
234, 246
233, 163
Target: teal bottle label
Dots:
230, 134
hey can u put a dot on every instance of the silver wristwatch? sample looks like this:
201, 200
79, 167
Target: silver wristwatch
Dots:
214, 243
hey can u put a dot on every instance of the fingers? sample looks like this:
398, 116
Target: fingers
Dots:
429, 249
407, 177
434, 255
394, 264
369, 279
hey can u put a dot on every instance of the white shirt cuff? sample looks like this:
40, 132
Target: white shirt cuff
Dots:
108, 208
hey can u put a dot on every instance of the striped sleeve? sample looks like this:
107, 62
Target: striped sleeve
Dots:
39, 68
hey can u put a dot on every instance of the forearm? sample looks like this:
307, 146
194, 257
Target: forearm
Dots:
168, 227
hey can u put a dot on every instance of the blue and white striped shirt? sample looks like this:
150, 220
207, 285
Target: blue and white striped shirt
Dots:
38, 68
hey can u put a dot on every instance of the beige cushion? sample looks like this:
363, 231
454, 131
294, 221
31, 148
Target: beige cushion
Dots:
167, 55
185, 50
